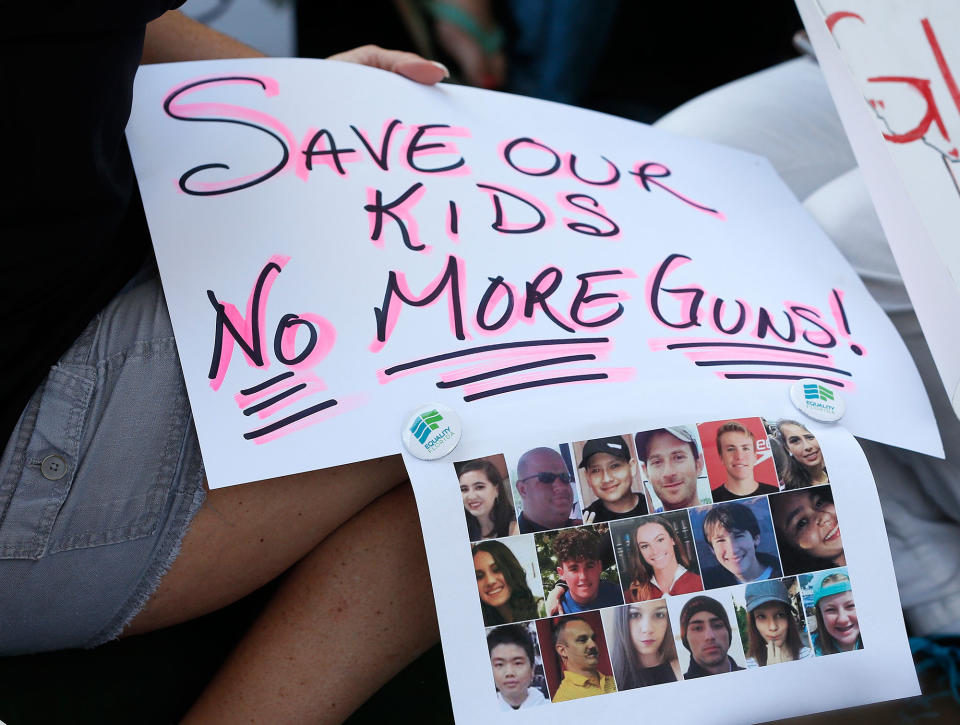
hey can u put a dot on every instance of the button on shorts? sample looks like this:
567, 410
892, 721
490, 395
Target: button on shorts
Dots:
98, 482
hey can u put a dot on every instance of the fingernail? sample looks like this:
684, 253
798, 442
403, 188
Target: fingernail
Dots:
441, 66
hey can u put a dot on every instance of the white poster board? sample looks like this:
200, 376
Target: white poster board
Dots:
879, 668
892, 71
339, 246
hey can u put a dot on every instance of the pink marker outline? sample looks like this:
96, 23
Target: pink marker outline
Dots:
504, 356
305, 376
192, 110
600, 214
445, 147
716, 213
747, 316
536, 144
530, 199
688, 289
498, 295
326, 159
245, 326
326, 337
453, 236
497, 362
404, 288
848, 385
739, 353
539, 306
344, 405
607, 183
614, 375
812, 330
403, 211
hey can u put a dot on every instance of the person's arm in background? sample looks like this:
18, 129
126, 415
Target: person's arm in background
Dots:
175, 37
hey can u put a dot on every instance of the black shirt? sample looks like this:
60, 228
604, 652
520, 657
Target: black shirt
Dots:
695, 670
722, 493
529, 526
72, 226
602, 513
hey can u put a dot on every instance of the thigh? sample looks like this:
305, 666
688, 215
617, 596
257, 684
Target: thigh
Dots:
244, 536
347, 617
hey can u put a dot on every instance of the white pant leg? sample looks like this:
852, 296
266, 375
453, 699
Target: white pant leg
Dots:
785, 113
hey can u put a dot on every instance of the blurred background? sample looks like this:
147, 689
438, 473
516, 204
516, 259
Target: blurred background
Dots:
631, 59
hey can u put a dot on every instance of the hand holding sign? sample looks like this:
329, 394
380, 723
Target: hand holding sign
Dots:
408, 65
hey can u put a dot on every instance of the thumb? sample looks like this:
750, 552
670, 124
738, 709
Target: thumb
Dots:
409, 65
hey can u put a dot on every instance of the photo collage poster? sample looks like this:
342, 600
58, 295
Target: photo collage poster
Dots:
639, 563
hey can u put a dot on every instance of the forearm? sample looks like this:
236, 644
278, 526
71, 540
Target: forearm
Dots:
175, 37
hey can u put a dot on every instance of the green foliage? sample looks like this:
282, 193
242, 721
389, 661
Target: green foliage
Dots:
742, 624
548, 563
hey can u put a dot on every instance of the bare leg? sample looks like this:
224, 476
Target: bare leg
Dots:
354, 610
348, 617
245, 536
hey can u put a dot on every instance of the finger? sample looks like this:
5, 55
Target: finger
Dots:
409, 65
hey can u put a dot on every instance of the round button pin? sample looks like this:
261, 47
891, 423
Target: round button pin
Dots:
53, 467
818, 400
432, 432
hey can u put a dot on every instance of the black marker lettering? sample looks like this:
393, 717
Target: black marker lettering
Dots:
187, 175
450, 278
291, 320
589, 229
508, 151
585, 298
495, 283
381, 158
613, 179
538, 297
331, 150
381, 209
814, 319
765, 324
415, 147
718, 322
500, 223
693, 307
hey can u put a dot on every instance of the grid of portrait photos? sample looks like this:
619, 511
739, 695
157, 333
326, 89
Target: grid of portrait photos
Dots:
656, 556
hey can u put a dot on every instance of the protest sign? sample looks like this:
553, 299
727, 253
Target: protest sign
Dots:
891, 68
339, 246
727, 644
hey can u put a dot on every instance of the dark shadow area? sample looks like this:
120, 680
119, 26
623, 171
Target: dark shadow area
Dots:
153, 679
657, 56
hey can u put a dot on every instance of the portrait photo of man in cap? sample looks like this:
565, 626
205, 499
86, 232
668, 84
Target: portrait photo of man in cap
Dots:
609, 471
672, 462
